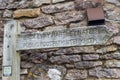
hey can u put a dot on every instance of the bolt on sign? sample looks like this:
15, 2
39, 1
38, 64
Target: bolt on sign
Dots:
15, 41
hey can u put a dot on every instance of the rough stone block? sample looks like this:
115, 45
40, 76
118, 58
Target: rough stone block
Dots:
58, 7
104, 73
67, 17
39, 22
56, 1
115, 55
37, 3
116, 40
76, 74
106, 49
26, 13
25, 64
89, 49
112, 64
3, 5
7, 13
87, 64
65, 59
91, 57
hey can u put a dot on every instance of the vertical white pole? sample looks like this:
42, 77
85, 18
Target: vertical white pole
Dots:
11, 58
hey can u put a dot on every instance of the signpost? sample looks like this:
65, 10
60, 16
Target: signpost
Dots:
15, 41
79, 36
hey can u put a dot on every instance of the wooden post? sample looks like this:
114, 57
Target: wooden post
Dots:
11, 58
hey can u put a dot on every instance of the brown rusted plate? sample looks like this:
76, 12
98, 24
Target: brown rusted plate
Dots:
95, 16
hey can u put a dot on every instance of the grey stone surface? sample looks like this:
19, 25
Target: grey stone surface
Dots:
7, 13
56, 1
67, 17
114, 1
91, 57
87, 64
106, 49
116, 40
3, 5
37, 3
88, 49
113, 55
39, 22
76, 74
25, 64
58, 7
63, 51
65, 59
114, 15
112, 64
19, 5
104, 73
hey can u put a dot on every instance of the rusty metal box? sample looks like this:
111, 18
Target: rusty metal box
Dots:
95, 16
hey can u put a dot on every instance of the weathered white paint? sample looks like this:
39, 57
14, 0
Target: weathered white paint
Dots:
79, 36
11, 58
54, 74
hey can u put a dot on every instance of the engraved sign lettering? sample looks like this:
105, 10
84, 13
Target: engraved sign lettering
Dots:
79, 36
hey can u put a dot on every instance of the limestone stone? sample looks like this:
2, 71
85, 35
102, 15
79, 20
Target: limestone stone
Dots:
13, 5
7, 13
112, 64
80, 24
91, 57
39, 22
88, 49
19, 4
106, 49
109, 7
76, 74
116, 40
61, 69
83, 4
63, 51
26, 13
87, 64
54, 74
70, 65
38, 57
67, 17
114, 15
24, 71
47, 72
37, 3
25, 64
56, 1
114, 55
104, 73
3, 5
65, 59
117, 2
58, 7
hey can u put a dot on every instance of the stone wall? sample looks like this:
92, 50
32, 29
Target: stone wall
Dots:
72, 63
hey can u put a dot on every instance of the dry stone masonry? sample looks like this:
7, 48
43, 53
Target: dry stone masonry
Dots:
100, 62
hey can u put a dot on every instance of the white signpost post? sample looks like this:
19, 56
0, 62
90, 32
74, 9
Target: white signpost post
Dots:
15, 41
